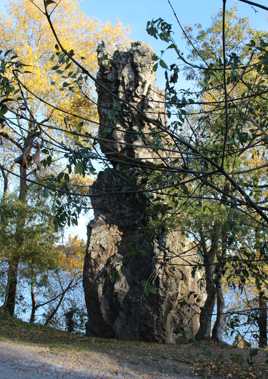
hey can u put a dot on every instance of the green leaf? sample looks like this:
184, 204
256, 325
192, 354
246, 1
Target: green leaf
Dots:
163, 64
172, 46
155, 67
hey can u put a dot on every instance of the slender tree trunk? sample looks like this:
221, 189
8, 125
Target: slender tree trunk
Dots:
5, 186
218, 328
262, 319
33, 309
24, 160
86, 267
10, 298
204, 331
262, 300
4, 195
13, 263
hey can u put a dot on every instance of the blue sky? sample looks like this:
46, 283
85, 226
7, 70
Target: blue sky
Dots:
135, 13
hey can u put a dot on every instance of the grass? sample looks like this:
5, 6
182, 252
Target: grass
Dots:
142, 360
20, 331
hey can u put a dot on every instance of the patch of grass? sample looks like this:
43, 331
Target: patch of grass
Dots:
14, 329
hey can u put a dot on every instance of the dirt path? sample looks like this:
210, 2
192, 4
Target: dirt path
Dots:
25, 362
18, 361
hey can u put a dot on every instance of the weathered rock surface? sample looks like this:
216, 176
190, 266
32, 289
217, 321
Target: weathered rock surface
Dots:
138, 285
129, 106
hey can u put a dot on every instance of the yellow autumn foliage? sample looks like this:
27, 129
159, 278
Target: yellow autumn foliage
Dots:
25, 29
81, 183
71, 255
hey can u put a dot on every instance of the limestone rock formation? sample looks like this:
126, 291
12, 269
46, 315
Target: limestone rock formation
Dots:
129, 105
137, 284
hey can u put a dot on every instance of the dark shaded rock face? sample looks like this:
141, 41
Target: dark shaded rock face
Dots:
137, 286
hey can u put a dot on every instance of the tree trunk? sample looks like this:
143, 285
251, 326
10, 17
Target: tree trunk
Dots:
11, 289
33, 310
218, 327
262, 320
5, 184
204, 331
13, 263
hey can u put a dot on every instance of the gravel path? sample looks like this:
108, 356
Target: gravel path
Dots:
19, 361
25, 362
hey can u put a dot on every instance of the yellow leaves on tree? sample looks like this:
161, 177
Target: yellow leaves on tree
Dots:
81, 183
25, 30
71, 255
